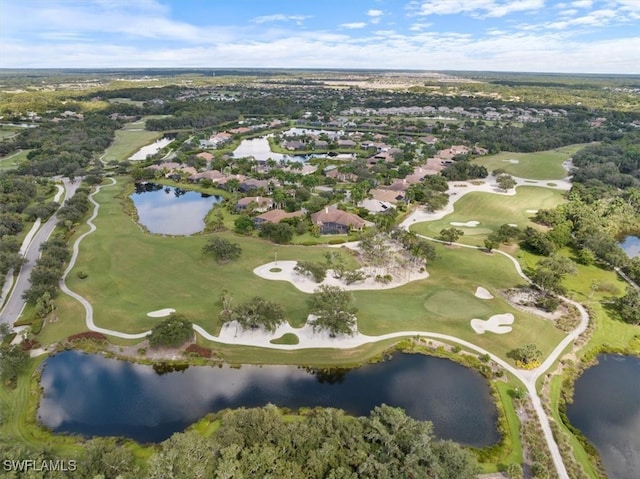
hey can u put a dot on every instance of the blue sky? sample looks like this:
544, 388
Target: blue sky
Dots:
582, 36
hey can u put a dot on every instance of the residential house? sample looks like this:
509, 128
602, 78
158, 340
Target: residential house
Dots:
254, 203
375, 206
387, 196
251, 184
275, 216
213, 175
335, 221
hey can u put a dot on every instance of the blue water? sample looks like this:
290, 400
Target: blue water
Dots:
606, 408
94, 396
172, 211
631, 246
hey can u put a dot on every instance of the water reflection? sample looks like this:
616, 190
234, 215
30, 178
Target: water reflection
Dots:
91, 395
606, 408
631, 246
172, 211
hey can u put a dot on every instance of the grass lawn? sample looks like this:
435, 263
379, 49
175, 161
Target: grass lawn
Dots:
131, 273
128, 141
12, 160
492, 211
541, 165
445, 303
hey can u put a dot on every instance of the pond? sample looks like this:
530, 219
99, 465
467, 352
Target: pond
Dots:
171, 211
259, 148
606, 408
631, 246
94, 396
151, 149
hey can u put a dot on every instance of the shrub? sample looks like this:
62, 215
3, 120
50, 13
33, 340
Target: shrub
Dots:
198, 351
81, 274
172, 332
222, 250
90, 335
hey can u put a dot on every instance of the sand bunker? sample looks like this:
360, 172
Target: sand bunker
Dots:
532, 211
513, 162
483, 293
468, 224
497, 323
161, 313
513, 224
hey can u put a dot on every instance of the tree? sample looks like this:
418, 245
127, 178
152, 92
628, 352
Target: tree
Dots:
489, 244
172, 332
527, 354
243, 225
506, 182
280, 233
550, 272
104, 457
222, 250
514, 471
13, 360
451, 235
317, 271
629, 306
333, 310
258, 313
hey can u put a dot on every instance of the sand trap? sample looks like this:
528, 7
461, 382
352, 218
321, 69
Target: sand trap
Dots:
483, 293
513, 162
532, 211
495, 324
468, 224
161, 313
513, 224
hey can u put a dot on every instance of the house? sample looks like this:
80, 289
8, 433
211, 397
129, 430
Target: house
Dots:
206, 156
339, 176
387, 196
397, 185
335, 221
375, 206
213, 175
428, 139
275, 216
251, 184
294, 145
346, 144
254, 203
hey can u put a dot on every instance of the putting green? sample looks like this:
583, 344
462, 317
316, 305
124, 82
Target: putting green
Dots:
465, 304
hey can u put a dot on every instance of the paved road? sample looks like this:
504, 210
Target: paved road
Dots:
15, 304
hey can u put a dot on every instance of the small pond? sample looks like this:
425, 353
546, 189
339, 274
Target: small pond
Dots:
631, 246
259, 148
94, 396
606, 408
171, 211
151, 149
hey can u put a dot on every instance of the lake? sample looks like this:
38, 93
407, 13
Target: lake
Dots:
606, 408
631, 246
151, 149
259, 148
94, 396
171, 211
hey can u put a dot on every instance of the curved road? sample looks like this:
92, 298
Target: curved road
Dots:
528, 378
15, 304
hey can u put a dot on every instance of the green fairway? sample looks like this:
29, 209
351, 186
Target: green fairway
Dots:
131, 273
445, 303
492, 211
12, 160
541, 165
128, 141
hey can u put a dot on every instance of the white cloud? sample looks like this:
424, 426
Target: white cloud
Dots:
354, 25
375, 16
582, 4
596, 18
482, 8
418, 27
280, 17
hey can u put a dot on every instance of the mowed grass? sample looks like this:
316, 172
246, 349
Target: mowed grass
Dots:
446, 302
492, 211
541, 165
11, 161
131, 273
128, 141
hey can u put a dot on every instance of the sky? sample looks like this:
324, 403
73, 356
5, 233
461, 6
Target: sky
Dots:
569, 36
